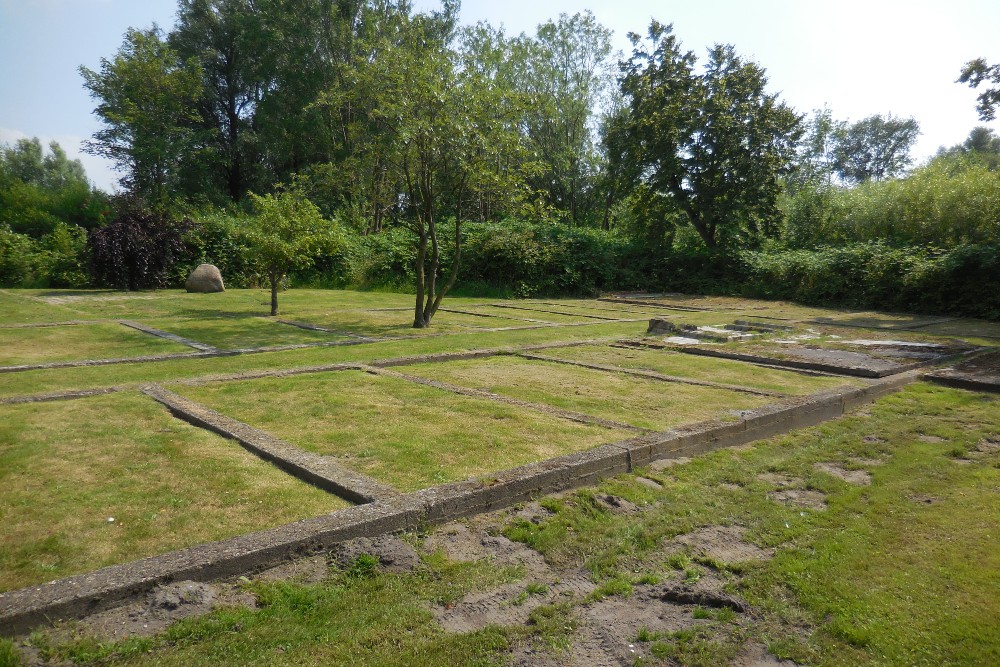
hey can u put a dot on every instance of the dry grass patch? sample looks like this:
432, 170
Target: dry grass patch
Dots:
702, 368
78, 342
67, 468
18, 307
404, 434
237, 332
636, 401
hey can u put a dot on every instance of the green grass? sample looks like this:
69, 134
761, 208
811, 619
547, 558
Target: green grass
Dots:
65, 379
240, 331
354, 618
701, 368
880, 577
84, 341
66, 468
405, 434
19, 307
635, 401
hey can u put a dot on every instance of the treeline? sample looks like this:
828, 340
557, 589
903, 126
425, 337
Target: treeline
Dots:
360, 143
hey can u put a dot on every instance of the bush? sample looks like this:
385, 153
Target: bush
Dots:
138, 249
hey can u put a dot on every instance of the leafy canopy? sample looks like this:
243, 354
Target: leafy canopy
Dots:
710, 145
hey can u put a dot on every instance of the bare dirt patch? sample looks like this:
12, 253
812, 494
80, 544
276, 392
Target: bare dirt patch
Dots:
933, 439
663, 464
156, 611
393, 554
756, 655
720, 543
805, 498
857, 477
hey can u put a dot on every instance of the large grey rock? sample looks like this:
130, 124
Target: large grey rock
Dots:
206, 278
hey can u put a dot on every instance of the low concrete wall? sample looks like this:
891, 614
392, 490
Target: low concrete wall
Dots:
23, 609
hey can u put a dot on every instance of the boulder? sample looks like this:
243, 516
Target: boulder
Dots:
206, 278
659, 325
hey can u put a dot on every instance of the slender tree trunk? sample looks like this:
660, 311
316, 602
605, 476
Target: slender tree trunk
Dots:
275, 283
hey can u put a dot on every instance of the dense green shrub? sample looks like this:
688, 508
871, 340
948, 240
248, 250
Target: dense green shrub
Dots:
57, 259
958, 281
950, 202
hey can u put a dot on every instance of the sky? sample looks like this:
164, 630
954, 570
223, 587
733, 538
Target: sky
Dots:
857, 57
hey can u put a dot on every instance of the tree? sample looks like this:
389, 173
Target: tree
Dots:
224, 38
709, 146
147, 101
977, 72
451, 131
981, 146
875, 148
567, 71
283, 235
39, 189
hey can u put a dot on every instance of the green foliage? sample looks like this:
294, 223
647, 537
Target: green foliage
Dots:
146, 99
709, 145
138, 249
977, 72
285, 233
9, 655
874, 148
40, 190
951, 201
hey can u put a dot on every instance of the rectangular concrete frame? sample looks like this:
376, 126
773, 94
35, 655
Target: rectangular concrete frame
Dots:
21, 610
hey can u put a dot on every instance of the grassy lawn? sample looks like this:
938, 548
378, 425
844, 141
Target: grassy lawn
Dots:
903, 571
701, 368
404, 434
18, 307
900, 566
65, 468
632, 400
82, 341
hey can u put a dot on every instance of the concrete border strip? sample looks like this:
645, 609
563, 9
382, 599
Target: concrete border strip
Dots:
653, 375
321, 471
46, 325
58, 396
646, 345
848, 371
166, 335
489, 395
23, 609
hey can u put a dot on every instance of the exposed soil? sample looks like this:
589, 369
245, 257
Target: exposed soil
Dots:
858, 477
805, 498
724, 544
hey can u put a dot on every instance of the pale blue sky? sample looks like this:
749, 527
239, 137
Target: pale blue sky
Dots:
859, 57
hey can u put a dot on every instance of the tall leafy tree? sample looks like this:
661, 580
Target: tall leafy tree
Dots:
875, 148
567, 70
147, 101
976, 73
709, 146
225, 38
454, 137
